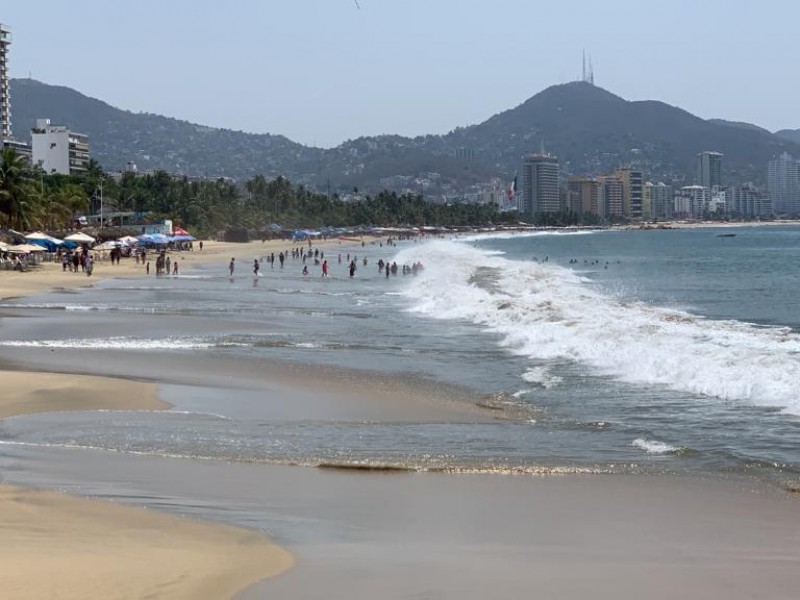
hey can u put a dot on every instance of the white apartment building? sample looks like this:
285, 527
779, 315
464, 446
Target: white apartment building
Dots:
5, 87
58, 150
691, 202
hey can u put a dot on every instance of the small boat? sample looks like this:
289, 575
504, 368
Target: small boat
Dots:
726, 235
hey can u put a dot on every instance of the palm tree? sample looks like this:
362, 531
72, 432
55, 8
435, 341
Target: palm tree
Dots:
20, 205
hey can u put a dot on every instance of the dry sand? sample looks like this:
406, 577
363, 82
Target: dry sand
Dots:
57, 546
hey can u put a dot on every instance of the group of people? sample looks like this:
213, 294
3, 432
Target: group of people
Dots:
78, 260
306, 255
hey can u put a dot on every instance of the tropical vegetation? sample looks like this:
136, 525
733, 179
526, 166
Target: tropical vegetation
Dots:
31, 199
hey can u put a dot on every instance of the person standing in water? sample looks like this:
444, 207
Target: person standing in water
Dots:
256, 267
231, 267
324, 268
352, 268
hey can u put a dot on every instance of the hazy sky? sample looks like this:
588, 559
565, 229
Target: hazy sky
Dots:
323, 71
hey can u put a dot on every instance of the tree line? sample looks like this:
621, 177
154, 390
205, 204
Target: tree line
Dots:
32, 199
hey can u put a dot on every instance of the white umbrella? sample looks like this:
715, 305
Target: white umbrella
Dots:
129, 239
79, 237
108, 245
25, 248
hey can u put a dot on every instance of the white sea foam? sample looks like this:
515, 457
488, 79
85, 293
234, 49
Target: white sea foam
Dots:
113, 343
548, 313
543, 376
508, 235
653, 446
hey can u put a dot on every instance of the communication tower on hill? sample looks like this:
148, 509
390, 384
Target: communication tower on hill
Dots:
587, 73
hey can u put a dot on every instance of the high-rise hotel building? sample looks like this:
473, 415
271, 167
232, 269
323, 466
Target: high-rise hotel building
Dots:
540, 192
709, 169
5, 87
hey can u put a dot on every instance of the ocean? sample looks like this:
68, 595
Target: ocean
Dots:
638, 352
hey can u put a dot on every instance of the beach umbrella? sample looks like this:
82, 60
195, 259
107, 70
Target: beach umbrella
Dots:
129, 240
25, 249
3, 247
108, 245
80, 237
37, 235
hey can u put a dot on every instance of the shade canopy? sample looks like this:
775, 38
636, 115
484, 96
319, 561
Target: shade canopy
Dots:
108, 245
25, 248
80, 237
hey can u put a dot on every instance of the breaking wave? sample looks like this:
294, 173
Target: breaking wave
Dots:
549, 313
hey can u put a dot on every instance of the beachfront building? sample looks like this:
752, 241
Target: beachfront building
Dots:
5, 86
632, 191
58, 150
540, 193
660, 196
709, 169
610, 196
783, 182
691, 202
747, 201
583, 195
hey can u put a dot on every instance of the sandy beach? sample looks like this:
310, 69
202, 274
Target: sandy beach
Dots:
58, 546
352, 532
47, 276
95, 549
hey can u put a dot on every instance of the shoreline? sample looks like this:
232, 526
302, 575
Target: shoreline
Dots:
381, 527
97, 548
49, 276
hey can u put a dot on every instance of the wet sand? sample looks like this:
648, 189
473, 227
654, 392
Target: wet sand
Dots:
93, 549
26, 392
468, 537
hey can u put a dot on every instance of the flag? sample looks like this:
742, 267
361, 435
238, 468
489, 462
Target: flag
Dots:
512, 189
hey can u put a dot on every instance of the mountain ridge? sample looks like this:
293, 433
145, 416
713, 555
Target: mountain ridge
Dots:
590, 129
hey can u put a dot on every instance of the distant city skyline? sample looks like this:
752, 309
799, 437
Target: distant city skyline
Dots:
324, 71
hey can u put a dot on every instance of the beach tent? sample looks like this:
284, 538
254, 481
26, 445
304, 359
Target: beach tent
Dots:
48, 242
153, 238
38, 235
80, 238
177, 230
182, 238
24, 249
108, 245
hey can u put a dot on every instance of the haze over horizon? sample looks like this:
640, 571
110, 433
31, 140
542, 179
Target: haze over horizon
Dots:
324, 71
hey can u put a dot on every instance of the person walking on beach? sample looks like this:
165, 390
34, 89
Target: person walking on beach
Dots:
175, 268
231, 267
256, 267
89, 265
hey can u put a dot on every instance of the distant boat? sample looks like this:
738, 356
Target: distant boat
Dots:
726, 235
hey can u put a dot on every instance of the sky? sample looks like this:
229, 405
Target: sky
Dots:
324, 71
